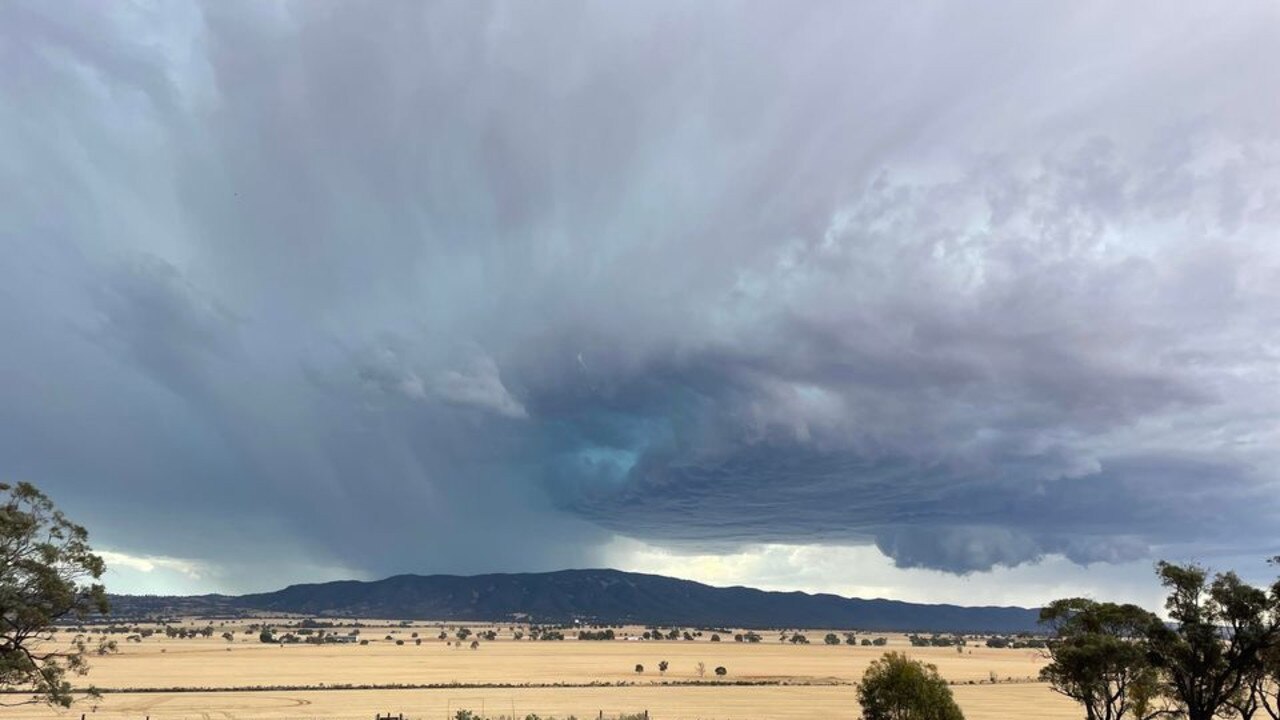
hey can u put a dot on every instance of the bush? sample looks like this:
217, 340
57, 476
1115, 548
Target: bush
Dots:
720, 671
896, 687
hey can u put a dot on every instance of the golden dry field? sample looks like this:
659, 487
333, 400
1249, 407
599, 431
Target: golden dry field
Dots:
813, 680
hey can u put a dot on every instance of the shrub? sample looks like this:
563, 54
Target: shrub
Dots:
720, 671
896, 687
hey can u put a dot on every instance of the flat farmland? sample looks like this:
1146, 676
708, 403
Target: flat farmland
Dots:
508, 676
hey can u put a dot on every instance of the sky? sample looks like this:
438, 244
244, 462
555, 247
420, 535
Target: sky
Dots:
934, 301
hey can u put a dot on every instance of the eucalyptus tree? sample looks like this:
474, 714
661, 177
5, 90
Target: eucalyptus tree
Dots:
48, 574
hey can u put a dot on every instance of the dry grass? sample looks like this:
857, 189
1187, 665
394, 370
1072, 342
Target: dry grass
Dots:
818, 678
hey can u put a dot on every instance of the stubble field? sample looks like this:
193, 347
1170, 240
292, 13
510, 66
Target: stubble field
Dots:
510, 677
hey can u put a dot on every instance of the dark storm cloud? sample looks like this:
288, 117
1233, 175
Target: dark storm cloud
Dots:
471, 286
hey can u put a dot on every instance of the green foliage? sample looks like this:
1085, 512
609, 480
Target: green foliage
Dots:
720, 671
1100, 656
898, 688
48, 573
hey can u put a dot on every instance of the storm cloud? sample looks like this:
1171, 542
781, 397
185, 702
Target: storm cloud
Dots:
466, 286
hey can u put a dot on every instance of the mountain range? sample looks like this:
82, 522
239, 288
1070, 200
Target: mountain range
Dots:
594, 596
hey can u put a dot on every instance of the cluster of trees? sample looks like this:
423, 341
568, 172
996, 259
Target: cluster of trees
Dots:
751, 637
672, 634
936, 640
1017, 642
1217, 656
596, 634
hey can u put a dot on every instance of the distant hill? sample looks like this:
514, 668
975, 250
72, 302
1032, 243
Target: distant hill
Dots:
603, 596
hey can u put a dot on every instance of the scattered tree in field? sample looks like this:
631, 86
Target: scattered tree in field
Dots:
475, 644
1100, 657
225, 636
896, 687
463, 633
519, 635
715, 637
662, 667
831, 639
639, 669
48, 573
720, 671
798, 639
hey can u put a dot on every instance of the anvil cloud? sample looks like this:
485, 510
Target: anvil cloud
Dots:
321, 289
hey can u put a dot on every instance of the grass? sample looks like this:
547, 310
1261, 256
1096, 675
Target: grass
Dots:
169, 679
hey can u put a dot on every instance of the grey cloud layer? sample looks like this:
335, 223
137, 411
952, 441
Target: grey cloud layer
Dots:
469, 286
